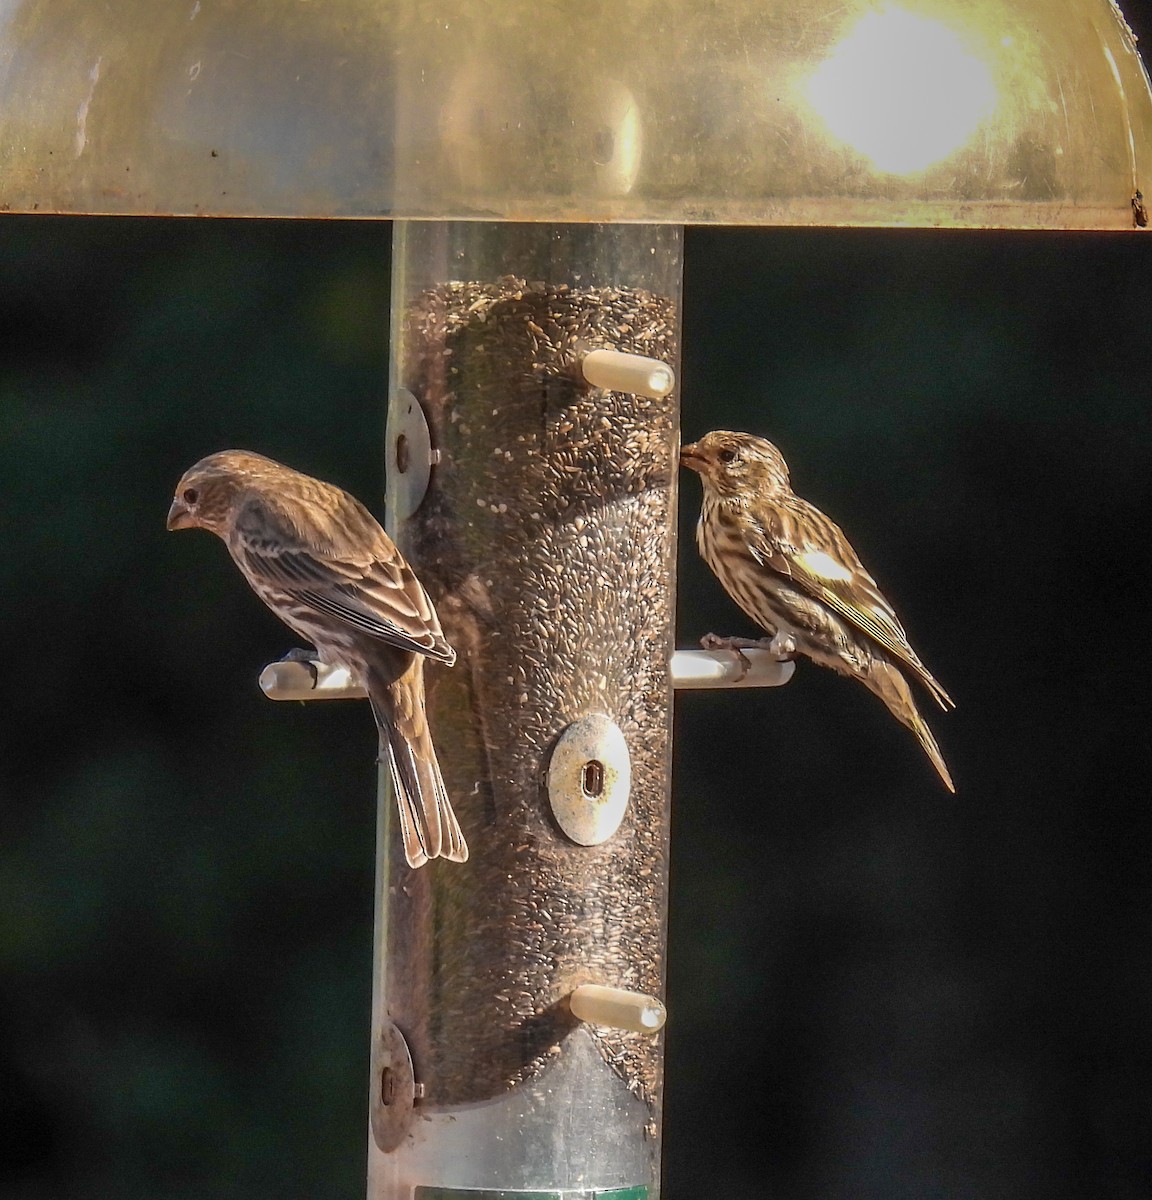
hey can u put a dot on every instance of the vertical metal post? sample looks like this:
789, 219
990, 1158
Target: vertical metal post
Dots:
547, 540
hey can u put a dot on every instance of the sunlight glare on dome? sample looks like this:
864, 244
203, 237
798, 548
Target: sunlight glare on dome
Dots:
902, 90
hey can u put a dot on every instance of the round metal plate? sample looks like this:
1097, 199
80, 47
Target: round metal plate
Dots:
393, 1088
409, 455
589, 779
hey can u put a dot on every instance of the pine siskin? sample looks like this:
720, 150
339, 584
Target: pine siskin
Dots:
320, 561
794, 573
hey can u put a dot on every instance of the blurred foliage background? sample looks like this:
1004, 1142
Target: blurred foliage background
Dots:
877, 990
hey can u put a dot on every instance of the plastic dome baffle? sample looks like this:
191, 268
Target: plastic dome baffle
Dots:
998, 113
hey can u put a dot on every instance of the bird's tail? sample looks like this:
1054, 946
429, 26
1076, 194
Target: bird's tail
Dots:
427, 823
889, 683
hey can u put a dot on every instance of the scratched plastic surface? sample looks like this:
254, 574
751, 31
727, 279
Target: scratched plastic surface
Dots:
904, 112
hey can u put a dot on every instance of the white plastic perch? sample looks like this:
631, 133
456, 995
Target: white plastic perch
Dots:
616, 371
724, 669
690, 669
617, 1008
295, 681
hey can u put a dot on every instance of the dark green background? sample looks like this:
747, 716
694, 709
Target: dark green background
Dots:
877, 990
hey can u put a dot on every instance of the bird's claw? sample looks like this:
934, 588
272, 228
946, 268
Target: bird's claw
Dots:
736, 645
301, 654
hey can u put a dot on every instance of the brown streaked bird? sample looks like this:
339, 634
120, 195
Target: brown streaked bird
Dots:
321, 562
794, 573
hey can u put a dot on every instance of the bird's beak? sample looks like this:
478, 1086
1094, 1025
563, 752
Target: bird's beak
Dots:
691, 457
179, 516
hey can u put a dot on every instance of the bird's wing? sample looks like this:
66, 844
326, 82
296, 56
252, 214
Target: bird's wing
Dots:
800, 542
367, 584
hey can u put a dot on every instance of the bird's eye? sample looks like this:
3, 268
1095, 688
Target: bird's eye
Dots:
190, 496
727, 456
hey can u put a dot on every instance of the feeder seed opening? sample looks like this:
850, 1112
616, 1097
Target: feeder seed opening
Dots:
592, 778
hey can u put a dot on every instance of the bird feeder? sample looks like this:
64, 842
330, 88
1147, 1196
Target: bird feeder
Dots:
539, 161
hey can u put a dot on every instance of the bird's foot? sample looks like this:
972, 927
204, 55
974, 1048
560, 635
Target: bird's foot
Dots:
782, 646
306, 656
736, 645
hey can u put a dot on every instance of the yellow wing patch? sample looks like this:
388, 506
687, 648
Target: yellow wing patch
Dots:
821, 565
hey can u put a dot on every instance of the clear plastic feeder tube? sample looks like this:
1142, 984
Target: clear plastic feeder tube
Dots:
547, 540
